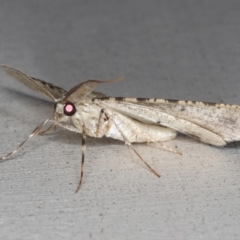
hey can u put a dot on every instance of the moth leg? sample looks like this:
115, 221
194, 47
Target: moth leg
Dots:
100, 122
127, 142
102, 127
47, 130
68, 127
34, 133
74, 129
164, 147
83, 157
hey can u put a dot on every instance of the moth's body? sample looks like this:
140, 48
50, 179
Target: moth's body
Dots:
88, 114
131, 119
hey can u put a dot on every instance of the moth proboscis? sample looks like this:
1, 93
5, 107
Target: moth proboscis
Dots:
82, 110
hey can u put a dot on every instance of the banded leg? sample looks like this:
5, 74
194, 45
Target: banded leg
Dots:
103, 124
83, 158
34, 133
74, 129
130, 145
100, 122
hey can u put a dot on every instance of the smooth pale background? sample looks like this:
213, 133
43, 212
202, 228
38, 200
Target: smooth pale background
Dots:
167, 49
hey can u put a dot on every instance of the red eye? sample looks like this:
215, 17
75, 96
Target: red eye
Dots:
69, 109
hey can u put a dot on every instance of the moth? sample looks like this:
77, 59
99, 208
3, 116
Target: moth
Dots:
90, 113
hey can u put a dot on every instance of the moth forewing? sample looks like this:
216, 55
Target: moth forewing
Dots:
211, 123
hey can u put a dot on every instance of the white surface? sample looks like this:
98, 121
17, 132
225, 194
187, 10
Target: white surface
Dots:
167, 49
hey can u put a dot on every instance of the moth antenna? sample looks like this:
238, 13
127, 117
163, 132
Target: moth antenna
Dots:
109, 81
83, 158
85, 88
47, 89
34, 133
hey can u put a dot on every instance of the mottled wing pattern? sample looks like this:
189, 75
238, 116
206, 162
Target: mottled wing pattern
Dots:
47, 89
216, 124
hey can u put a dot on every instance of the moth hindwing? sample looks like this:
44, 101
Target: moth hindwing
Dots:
91, 113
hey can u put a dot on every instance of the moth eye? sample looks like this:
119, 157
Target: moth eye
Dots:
69, 109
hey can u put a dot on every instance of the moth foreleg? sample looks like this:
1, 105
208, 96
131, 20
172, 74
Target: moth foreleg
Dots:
74, 129
77, 130
127, 142
47, 130
83, 157
34, 133
68, 127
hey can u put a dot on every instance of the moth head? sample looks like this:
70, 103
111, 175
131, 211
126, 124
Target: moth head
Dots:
64, 110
